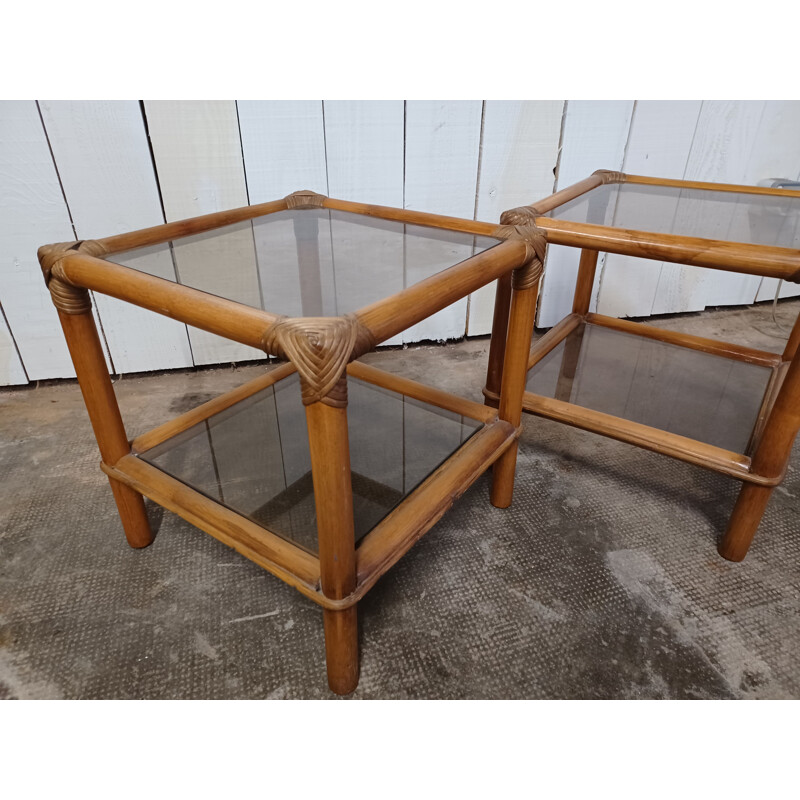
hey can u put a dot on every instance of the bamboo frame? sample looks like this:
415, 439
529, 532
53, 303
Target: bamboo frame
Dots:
778, 420
322, 352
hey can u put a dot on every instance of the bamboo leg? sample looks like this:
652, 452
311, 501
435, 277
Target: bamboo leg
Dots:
515, 370
497, 345
333, 496
793, 343
101, 403
744, 521
569, 364
769, 460
583, 287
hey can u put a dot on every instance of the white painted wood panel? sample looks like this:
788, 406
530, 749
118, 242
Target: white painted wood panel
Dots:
198, 158
107, 176
11, 370
364, 146
777, 155
659, 142
441, 174
283, 144
722, 147
595, 133
519, 153
32, 213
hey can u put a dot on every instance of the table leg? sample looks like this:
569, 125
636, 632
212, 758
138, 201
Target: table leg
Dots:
497, 345
585, 282
769, 460
333, 496
525, 289
101, 403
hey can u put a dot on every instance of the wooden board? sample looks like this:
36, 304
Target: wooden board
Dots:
594, 137
442, 143
519, 152
32, 213
660, 138
198, 157
106, 141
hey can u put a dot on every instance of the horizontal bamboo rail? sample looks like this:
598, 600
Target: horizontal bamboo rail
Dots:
724, 349
391, 538
566, 194
421, 392
202, 412
290, 562
159, 234
553, 338
713, 187
771, 262
390, 316
683, 448
413, 217
208, 312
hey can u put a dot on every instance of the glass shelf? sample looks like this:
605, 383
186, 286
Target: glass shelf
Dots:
703, 396
254, 457
307, 262
703, 213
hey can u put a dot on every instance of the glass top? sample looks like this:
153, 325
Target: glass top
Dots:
254, 457
308, 262
700, 395
726, 216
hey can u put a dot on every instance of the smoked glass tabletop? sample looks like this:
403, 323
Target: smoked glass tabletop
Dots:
706, 214
307, 262
254, 457
703, 396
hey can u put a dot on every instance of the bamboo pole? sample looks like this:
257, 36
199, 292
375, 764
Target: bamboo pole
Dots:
585, 282
159, 234
525, 289
774, 262
404, 309
497, 344
101, 404
333, 497
208, 312
770, 460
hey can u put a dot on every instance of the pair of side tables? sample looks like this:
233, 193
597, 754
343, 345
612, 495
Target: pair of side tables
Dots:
325, 471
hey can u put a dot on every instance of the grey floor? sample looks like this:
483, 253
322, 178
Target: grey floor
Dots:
601, 581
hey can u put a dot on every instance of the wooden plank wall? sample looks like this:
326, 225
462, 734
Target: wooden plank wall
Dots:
83, 169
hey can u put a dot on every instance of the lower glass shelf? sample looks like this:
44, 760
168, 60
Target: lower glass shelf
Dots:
254, 458
703, 396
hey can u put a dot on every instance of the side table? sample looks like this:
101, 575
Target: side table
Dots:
324, 471
731, 409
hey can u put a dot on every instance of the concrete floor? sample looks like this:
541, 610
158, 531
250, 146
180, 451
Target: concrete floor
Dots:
601, 581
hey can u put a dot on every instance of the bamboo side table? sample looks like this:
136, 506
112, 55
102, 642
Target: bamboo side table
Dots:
326, 496
731, 409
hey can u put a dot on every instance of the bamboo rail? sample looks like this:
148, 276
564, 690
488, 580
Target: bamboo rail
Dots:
208, 312
388, 317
